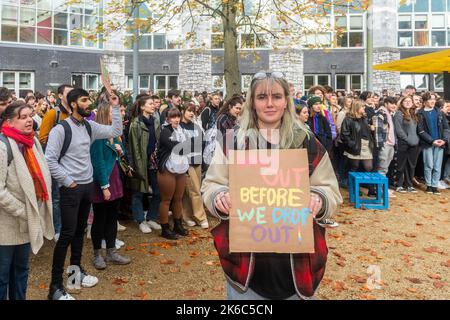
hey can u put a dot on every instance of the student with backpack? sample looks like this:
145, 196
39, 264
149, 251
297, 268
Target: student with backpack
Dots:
69, 160
51, 118
25, 201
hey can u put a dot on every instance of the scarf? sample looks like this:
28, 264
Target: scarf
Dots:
30, 159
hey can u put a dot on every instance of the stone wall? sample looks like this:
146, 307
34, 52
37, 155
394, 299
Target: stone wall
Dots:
385, 79
195, 71
290, 62
115, 63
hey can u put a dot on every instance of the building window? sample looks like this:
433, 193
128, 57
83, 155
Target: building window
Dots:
350, 28
420, 81
246, 80
39, 22
144, 82
311, 80
347, 82
424, 23
86, 81
218, 83
163, 83
18, 81
438, 82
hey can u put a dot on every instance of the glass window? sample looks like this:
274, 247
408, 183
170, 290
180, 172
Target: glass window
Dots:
323, 80
59, 5
76, 39
356, 81
173, 82
217, 41
24, 80
145, 42
404, 22
9, 33
44, 36
421, 6
247, 40
356, 22
246, 80
159, 42
355, 6
218, 82
438, 21
421, 81
130, 82
341, 22
44, 4
405, 39
76, 22
27, 17
420, 38
438, 38
341, 80
160, 82
356, 39
438, 5
309, 82
90, 22
421, 21
438, 81
448, 37
27, 34
60, 37
144, 82
9, 15
92, 82
342, 40
262, 41
60, 20
91, 7
44, 19
405, 7
77, 80
9, 80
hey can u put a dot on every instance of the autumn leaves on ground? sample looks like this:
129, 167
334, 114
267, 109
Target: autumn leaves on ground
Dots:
405, 248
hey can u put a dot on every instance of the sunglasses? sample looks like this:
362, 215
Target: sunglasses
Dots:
263, 75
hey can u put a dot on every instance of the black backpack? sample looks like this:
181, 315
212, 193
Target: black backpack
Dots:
5, 140
68, 136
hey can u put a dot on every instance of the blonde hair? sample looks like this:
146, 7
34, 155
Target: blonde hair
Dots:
248, 122
354, 109
39, 108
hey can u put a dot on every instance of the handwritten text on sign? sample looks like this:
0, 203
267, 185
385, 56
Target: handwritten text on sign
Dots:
270, 211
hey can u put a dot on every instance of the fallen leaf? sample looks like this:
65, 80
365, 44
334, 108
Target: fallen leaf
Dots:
190, 293
434, 276
411, 235
129, 248
43, 286
144, 244
412, 290
142, 295
365, 288
120, 290
167, 261
438, 284
340, 263
404, 243
194, 254
441, 238
174, 270
358, 279
339, 286
154, 253
385, 230
443, 201
212, 263
433, 250
326, 281
119, 281
414, 280
142, 250
186, 263
446, 264
419, 224
141, 283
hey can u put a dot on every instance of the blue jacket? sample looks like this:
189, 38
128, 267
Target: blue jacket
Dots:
103, 157
424, 130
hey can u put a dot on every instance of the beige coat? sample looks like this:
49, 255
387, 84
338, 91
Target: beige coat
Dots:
22, 218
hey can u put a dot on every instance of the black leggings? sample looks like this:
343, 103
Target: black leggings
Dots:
105, 224
367, 164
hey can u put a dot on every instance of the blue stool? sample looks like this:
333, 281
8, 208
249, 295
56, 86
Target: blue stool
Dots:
358, 178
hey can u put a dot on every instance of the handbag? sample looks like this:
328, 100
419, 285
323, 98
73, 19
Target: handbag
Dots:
127, 169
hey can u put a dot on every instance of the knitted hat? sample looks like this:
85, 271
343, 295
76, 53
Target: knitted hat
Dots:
313, 100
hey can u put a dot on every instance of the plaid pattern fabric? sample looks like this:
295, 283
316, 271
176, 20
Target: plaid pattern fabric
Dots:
308, 269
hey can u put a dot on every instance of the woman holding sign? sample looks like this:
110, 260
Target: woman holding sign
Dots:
268, 116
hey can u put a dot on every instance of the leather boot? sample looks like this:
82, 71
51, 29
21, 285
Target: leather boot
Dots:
178, 227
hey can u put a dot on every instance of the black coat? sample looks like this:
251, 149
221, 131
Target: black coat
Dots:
351, 135
424, 131
324, 133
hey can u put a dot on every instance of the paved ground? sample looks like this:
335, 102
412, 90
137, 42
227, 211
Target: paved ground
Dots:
408, 245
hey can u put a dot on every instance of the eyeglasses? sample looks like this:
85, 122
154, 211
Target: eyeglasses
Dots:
263, 75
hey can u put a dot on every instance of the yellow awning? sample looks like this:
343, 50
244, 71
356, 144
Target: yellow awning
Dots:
435, 62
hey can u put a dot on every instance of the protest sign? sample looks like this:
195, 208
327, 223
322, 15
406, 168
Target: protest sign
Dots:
105, 77
270, 201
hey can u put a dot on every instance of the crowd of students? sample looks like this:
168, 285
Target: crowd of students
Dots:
88, 160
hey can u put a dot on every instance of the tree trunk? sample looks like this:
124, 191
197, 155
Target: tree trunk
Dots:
231, 58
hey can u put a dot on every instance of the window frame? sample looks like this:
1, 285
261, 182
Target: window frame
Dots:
17, 88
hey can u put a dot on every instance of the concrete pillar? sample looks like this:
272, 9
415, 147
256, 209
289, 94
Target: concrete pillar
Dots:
290, 62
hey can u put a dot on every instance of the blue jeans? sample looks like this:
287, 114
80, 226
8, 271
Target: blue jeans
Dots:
56, 208
432, 162
233, 294
136, 200
14, 271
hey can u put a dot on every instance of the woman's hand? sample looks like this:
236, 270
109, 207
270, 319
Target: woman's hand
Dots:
130, 172
315, 203
114, 100
106, 194
118, 148
222, 202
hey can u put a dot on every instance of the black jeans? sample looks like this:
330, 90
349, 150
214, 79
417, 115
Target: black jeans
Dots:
75, 204
406, 163
105, 224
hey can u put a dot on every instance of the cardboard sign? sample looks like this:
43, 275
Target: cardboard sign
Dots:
270, 196
105, 77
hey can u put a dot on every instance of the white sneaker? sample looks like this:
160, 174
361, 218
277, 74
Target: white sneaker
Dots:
204, 224
143, 226
56, 238
103, 244
391, 194
61, 295
189, 222
153, 224
442, 185
170, 213
88, 231
328, 223
87, 281
119, 244
120, 227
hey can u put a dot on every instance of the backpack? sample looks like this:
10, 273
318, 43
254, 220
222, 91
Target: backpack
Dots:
5, 140
68, 136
